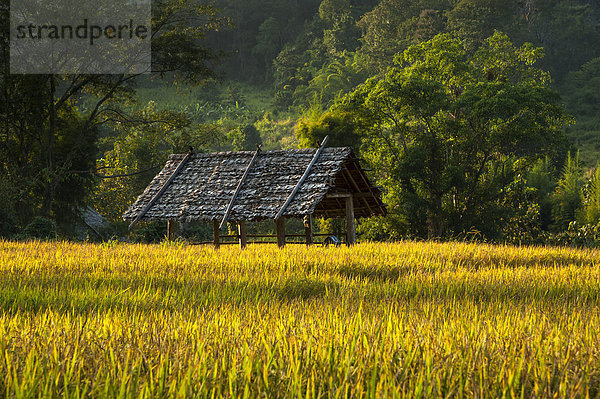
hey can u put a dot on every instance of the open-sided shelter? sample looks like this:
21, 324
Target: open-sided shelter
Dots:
250, 186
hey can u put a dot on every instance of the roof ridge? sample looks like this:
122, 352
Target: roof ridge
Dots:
251, 153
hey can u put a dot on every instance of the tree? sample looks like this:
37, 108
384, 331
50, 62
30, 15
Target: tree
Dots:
393, 25
447, 130
50, 123
567, 198
335, 79
269, 42
429, 24
133, 155
592, 197
41, 147
323, 50
541, 178
341, 33
582, 97
247, 138
337, 124
474, 20
295, 64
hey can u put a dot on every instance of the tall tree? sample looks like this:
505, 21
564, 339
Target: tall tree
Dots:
393, 25
568, 197
49, 122
475, 20
582, 97
448, 129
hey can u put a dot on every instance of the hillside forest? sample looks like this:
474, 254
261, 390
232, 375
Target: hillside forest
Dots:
480, 119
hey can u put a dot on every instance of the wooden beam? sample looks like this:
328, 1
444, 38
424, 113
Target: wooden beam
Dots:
357, 188
242, 233
338, 195
280, 227
210, 243
239, 187
308, 229
170, 229
216, 229
350, 226
162, 190
273, 235
346, 195
366, 181
340, 212
304, 176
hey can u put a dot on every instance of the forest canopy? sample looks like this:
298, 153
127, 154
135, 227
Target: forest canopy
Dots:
480, 94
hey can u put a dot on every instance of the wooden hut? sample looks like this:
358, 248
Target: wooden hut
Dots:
250, 186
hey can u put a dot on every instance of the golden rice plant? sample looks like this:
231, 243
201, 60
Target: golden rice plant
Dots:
375, 320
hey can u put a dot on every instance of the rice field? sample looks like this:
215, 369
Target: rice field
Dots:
376, 320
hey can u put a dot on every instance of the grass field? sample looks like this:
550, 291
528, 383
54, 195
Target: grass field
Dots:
406, 319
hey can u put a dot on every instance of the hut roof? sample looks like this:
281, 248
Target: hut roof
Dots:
206, 183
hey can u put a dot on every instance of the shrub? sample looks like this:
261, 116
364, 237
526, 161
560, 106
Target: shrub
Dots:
150, 232
8, 227
586, 236
41, 228
197, 231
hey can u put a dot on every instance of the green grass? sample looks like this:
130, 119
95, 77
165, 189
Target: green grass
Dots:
375, 320
256, 99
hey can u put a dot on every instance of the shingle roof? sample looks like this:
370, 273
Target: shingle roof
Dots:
206, 183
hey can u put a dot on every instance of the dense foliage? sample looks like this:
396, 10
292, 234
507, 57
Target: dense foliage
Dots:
269, 72
449, 131
53, 125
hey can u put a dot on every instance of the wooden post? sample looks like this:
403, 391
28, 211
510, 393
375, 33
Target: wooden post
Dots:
216, 230
308, 229
170, 230
242, 233
280, 227
350, 226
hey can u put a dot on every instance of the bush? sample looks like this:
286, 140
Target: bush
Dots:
197, 231
8, 227
150, 232
586, 236
41, 228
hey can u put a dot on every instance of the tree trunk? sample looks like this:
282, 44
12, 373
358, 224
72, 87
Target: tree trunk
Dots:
51, 133
435, 219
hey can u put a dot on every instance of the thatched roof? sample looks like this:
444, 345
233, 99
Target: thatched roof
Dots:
206, 183
90, 223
